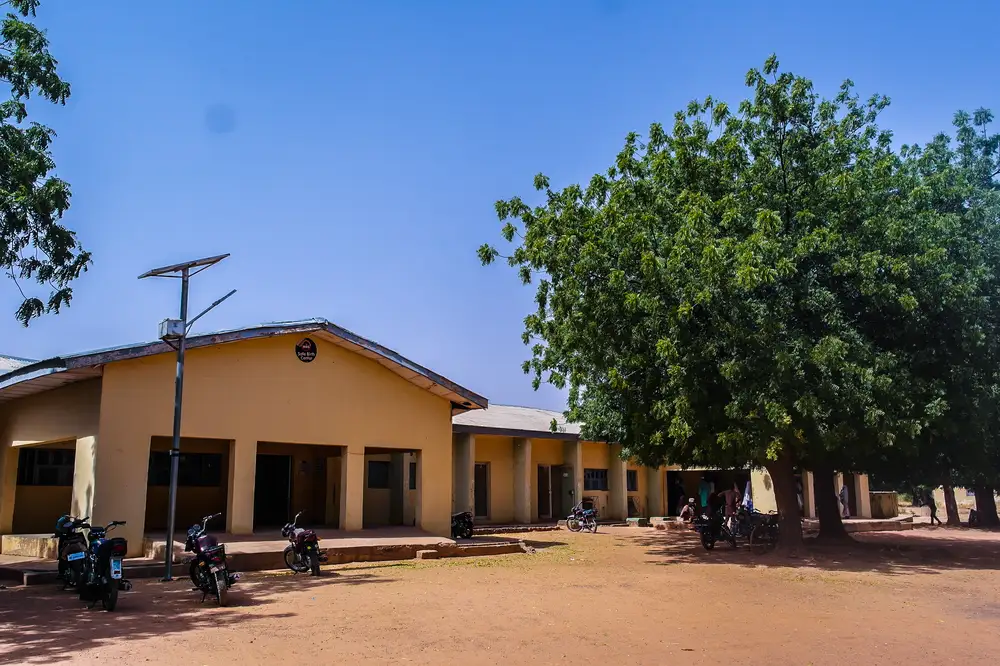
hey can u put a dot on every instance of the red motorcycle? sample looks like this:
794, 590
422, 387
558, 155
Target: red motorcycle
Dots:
303, 553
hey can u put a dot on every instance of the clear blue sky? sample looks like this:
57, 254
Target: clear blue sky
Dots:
348, 154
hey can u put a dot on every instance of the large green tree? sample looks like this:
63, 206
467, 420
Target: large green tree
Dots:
719, 295
34, 246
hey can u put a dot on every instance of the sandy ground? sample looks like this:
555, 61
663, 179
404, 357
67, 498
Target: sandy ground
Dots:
623, 596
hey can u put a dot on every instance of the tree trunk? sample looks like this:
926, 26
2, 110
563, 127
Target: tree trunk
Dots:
986, 506
831, 525
951, 506
782, 475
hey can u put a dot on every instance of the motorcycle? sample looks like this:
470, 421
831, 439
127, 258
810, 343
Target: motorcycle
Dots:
303, 553
461, 525
71, 550
208, 569
102, 572
581, 519
712, 528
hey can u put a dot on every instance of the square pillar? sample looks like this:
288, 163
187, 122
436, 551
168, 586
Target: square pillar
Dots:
617, 487
654, 492
8, 487
332, 516
121, 478
464, 445
396, 497
522, 480
809, 494
838, 483
573, 483
352, 484
84, 469
762, 491
242, 479
433, 510
862, 497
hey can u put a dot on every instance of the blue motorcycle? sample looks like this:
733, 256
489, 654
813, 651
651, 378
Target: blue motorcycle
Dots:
102, 571
581, 519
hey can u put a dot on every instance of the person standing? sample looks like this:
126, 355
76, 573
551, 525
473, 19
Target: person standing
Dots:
932, 505
731, 498
845, 509
704, 492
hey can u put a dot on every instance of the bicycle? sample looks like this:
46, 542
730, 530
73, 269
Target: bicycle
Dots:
765, 533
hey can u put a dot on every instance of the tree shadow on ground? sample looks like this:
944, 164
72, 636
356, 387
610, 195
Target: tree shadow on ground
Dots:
44, 624
927, 551
542, 545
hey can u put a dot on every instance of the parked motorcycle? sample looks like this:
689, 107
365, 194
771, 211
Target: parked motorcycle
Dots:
712, 528
461, 525
302, 554
71, 550
208, 569
581, 519
103, 576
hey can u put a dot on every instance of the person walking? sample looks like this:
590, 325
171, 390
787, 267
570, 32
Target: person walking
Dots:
932, 505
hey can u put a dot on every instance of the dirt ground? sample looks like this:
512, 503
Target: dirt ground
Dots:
623, 596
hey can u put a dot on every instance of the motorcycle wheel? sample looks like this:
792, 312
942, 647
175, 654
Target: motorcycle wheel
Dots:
221, 588
109, 593
194, 574
707, 540
573, 525
75, 573
293, 561
314, 563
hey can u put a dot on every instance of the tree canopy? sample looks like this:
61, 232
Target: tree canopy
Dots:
755, 286
34, 245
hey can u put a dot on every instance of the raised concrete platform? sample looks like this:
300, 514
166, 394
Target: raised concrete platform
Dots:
480, 530
37, 546
851, 525
264, 551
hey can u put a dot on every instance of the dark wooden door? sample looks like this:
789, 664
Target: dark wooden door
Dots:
544, 492
482, 490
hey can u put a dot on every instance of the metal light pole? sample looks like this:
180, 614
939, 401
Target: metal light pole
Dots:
171, 330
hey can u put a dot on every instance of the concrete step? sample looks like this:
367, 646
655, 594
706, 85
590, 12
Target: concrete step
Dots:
31, 574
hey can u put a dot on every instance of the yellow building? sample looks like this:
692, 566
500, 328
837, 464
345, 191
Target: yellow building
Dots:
304, 416
353, 434
511, 467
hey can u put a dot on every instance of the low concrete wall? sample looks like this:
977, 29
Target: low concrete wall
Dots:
884, 504
29, 545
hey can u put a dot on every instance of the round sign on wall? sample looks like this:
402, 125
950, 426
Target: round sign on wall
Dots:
306, 350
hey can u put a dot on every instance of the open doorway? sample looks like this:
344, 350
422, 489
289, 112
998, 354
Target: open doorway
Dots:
272, 496
544, 492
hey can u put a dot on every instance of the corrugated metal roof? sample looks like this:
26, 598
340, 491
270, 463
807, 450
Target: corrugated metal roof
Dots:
8, 363
516, 421
39, 376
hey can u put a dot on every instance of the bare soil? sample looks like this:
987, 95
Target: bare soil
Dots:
623, 596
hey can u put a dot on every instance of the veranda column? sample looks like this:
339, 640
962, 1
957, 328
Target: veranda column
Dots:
654, 492
862, 498
352, 483
617, 488
84, 469
465, 472
522, 480
242, 479
8, 486
809, 494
